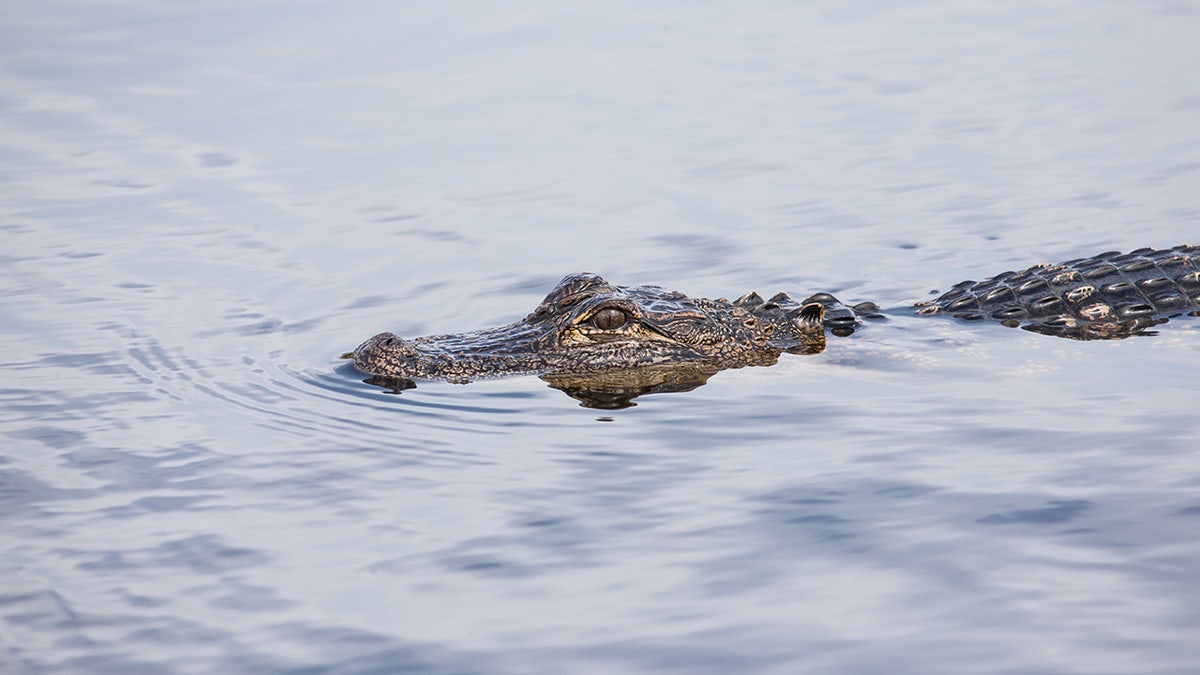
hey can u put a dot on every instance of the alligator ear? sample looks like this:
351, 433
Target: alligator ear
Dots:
809, 315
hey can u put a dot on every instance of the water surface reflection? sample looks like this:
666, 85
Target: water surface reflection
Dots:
202, 204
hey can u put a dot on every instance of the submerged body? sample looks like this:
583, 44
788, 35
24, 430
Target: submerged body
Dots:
587, 327
1108, 296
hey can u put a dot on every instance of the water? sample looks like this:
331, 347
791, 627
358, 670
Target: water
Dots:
204, 204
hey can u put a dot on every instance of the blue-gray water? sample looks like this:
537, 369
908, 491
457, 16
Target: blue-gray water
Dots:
203, 204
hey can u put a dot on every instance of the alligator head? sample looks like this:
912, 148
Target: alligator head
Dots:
586, 326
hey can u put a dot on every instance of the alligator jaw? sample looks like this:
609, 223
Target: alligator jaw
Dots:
588, 326
457, 358
469, 356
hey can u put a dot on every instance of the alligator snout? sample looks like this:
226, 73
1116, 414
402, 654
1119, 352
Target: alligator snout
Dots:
383, 348
389, 341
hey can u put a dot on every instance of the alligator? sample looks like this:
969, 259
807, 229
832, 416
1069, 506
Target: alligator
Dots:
605, 344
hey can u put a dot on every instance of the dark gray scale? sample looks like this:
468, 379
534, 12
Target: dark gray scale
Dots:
1155, 284
1137, 266
748, 300
964, 303
840, 319
1123, 296
1189, 282
781, 298
1033, 288
1100, 272
1121, 292
1171, 301
1047, 306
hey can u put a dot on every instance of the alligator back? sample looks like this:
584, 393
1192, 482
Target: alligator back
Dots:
1111, 295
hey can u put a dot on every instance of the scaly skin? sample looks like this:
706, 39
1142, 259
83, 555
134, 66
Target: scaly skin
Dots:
1109, 296
587, 327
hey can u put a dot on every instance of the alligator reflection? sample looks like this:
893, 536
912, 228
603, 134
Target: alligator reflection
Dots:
615, 389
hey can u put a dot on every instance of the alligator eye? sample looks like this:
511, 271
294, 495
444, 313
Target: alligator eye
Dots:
609, 319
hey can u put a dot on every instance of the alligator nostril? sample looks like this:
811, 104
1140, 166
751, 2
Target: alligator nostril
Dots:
387, 339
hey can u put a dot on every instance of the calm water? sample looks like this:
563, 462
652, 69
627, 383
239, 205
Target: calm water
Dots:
203, 204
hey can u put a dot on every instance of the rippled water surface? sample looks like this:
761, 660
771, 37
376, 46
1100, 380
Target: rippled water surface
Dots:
203, 204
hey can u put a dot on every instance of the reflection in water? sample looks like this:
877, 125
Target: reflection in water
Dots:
586, 324
205, 201
605, 344
615, 389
